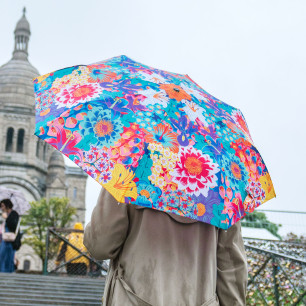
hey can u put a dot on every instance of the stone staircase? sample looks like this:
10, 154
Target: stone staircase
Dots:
27, 289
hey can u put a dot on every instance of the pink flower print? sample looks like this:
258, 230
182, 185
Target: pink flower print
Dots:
195, 172
71, 96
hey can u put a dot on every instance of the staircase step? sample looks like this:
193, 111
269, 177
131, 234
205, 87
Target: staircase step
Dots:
29, 292
68, 289
53, 283
25, 289
41, 301
50, 296
53, 287
44, 278
22, 304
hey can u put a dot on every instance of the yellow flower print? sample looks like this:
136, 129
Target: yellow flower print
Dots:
160, 148
59, 83
152, 147
154, 157
174, 157
121, 184
171, 166
164, 161
153, 178
267, 186
77, 77
42, 77
157, 168
161, 182
167, 153
80, 76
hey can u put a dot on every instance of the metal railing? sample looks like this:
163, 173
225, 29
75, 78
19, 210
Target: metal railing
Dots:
275, 277
277, 269
66, 254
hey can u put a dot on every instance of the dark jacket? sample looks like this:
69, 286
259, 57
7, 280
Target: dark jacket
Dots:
12, 221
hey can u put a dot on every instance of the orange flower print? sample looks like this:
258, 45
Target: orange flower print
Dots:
164, 135
240, 122
100, 75
175, 92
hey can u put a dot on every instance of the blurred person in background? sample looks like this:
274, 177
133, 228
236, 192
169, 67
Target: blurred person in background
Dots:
7, 248
4, 216
78, 266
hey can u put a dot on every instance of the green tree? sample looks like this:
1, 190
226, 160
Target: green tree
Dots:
258, 219
57, 212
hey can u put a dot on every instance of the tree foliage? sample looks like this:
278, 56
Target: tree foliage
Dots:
258, 219
55, 212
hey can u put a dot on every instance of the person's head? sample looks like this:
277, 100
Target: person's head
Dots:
78, 226
6, 205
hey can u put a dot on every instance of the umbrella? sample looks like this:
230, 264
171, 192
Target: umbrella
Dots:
153, 138
20, 204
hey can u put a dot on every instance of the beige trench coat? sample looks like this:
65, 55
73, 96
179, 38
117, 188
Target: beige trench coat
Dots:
162, 259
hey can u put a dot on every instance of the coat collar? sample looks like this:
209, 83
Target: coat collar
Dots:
175, 217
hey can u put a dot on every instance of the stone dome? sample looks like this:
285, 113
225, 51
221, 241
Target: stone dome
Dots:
23, 25
56, 171
56, 160
16, 85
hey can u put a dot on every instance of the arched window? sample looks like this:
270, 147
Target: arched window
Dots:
45, 152
26, 265
37, 148
9, 140
20, 139
75, 193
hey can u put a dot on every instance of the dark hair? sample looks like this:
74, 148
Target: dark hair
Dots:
7, 203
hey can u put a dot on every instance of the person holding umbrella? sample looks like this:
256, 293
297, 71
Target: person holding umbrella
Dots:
163, 259
7, 246
13, 205
182, 163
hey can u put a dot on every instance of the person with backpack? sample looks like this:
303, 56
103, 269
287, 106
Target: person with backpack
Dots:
10, 237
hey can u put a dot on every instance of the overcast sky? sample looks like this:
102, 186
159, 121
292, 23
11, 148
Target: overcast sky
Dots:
250, 54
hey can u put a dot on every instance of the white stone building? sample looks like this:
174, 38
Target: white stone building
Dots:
26, 162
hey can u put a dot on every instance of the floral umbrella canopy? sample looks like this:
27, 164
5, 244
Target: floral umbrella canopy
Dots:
154, 139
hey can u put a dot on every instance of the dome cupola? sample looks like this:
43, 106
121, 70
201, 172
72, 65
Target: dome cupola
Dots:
22, 35
56, 162
16, 76
56, 170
